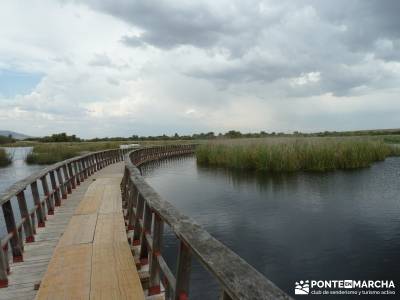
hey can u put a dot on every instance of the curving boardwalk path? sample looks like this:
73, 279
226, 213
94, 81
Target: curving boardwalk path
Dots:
83, 252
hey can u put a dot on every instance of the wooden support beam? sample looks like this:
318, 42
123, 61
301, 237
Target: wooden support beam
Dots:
154, 284
67, 179
183, 272
49, 198
15, 241
28, 226
40, 210
61, 184
56, 189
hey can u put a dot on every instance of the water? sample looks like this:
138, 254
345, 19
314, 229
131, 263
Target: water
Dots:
19, 169
337, 225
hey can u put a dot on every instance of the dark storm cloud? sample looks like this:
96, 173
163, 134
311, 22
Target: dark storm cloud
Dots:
266, 41
167, 24
367, 22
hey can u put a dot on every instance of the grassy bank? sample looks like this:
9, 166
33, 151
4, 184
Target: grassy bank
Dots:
288, 155
5, 158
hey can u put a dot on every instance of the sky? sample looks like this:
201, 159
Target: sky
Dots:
99, 68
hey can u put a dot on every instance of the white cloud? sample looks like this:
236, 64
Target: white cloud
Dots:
306, 78
124, 67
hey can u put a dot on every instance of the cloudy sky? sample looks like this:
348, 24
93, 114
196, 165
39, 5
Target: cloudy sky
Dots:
107, 67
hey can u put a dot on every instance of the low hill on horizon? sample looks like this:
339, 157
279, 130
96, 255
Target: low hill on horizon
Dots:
15, 135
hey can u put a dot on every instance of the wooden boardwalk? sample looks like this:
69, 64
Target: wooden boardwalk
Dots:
83, 252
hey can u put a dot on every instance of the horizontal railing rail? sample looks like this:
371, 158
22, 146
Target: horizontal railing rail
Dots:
46, 189
146, 214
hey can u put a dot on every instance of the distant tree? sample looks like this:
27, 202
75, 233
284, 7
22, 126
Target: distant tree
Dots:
233, 134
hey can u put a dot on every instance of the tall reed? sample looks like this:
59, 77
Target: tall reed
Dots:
5, 158
49, 153
296, 154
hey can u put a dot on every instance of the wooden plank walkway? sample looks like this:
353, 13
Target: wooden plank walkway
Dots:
83, 252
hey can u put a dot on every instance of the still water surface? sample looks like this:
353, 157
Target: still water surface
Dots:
19, 169
336, 225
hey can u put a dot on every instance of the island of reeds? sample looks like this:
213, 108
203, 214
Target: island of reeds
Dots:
5, 158
289, 155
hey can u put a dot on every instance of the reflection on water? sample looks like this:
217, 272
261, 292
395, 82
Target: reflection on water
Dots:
337, 225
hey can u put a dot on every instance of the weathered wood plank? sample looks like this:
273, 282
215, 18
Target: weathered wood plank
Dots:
68, 274
80, 230
114, 274
91, 201
111, 200
110, 228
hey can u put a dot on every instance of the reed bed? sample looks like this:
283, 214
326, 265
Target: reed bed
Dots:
289, 154
49, 153
5, 158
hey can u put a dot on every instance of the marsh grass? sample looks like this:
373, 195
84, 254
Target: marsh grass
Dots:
289, 154
49, 153
5, 158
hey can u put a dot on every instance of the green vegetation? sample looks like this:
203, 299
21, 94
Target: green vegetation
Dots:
60, 146
49, 153
394, 139
6, 140
295, 154
56, 138
5, 158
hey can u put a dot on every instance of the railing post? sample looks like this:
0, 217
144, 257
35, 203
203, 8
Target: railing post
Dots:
61, 183
144, 247
40, 210
133, 197
67, 179
80, 170
125, 186
183, 272
15, 241
97, 161
158, 228
23, 209
96, 164
49, 202
56, 190
89, 165
72, 177
84, 168
4, 269
77, 175
138, 217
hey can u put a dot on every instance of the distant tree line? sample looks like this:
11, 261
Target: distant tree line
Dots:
232, 134
55, 138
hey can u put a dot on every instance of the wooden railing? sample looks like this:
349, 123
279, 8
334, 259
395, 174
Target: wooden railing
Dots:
46, 188
147, 213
